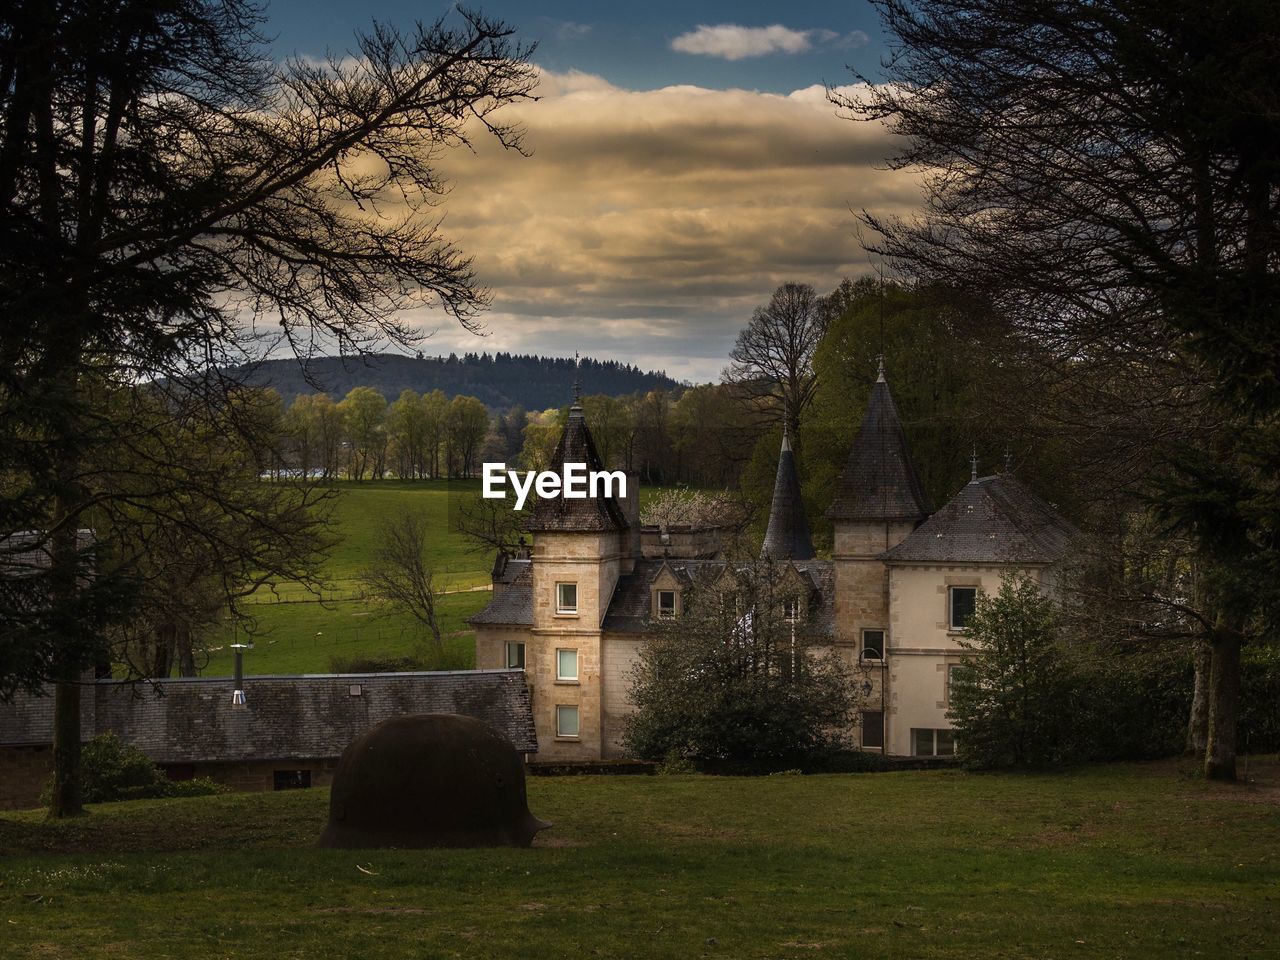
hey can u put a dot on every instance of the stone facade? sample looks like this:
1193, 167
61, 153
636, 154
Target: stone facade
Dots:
881, 600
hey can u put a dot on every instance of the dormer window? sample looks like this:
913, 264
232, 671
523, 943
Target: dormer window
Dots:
566, 598
666, 603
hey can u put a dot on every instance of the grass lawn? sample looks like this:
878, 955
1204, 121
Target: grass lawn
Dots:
304, 637
299, 634
359, 508
1109, 861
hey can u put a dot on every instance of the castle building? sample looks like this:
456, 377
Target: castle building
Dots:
893, 600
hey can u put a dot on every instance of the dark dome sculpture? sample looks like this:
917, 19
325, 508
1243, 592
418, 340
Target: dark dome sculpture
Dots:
434, 780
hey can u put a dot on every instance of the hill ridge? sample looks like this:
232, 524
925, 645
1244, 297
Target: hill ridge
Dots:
500, 380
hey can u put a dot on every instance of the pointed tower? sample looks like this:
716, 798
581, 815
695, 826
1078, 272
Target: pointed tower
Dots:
879, 482
788, 535
878, 502
581, 547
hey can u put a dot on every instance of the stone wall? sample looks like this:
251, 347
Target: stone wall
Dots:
288, 723
620, 653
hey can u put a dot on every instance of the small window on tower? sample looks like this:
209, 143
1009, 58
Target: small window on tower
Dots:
566, 664
515, 656
566, 598
872, 644
566, 721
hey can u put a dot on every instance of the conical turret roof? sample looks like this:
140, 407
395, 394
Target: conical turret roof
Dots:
585, 515
879, 481
787, 537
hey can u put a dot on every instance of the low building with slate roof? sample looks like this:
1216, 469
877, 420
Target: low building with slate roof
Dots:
893, 598
288, 732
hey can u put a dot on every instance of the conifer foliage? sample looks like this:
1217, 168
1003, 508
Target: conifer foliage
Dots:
1011, 702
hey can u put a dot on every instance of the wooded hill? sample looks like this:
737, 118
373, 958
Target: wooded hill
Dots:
499, 381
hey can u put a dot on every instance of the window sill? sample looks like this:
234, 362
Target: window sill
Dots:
567, 683
566, 615
563, 739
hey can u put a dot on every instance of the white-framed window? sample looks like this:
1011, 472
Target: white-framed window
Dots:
566, 664
933, 743
791, 610
872, 644
566, 720
961, 602
666, 603
515, 655
873, 728
566, 598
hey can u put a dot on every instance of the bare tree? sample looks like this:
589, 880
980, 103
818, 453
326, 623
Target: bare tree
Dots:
401, 575
171, 195
489, 525
1102, 175
774, 353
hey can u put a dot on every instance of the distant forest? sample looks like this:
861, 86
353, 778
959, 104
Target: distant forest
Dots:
500, 381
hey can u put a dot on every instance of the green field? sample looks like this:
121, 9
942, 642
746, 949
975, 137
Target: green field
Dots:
1110, 861
359, 508
296, 632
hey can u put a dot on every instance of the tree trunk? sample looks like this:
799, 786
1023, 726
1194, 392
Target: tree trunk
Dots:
1198, 724
64, 573
1224, 694
162, 661
66, 800
186, 653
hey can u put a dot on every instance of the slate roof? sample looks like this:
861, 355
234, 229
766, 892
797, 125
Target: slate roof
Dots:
879, 481
992, 520
284, 718
512, 602
588, 514
630, 607
787, 537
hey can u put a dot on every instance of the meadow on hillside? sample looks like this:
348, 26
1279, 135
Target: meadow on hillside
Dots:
297, 632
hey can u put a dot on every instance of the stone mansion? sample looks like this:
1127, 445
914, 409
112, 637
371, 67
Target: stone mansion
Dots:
893, 599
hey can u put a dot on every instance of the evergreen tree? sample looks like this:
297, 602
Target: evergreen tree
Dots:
1011, 701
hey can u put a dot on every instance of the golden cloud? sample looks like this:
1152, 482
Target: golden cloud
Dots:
662, 215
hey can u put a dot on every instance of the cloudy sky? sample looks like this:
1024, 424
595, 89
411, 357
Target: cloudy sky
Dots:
685, 162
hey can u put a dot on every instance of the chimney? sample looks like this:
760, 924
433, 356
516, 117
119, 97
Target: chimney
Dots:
237, 695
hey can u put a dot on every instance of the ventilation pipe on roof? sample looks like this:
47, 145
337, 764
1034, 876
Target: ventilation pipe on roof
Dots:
237, 695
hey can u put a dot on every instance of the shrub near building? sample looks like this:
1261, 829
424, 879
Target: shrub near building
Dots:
738, 680
1012, 703
1028, 697
113, 770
